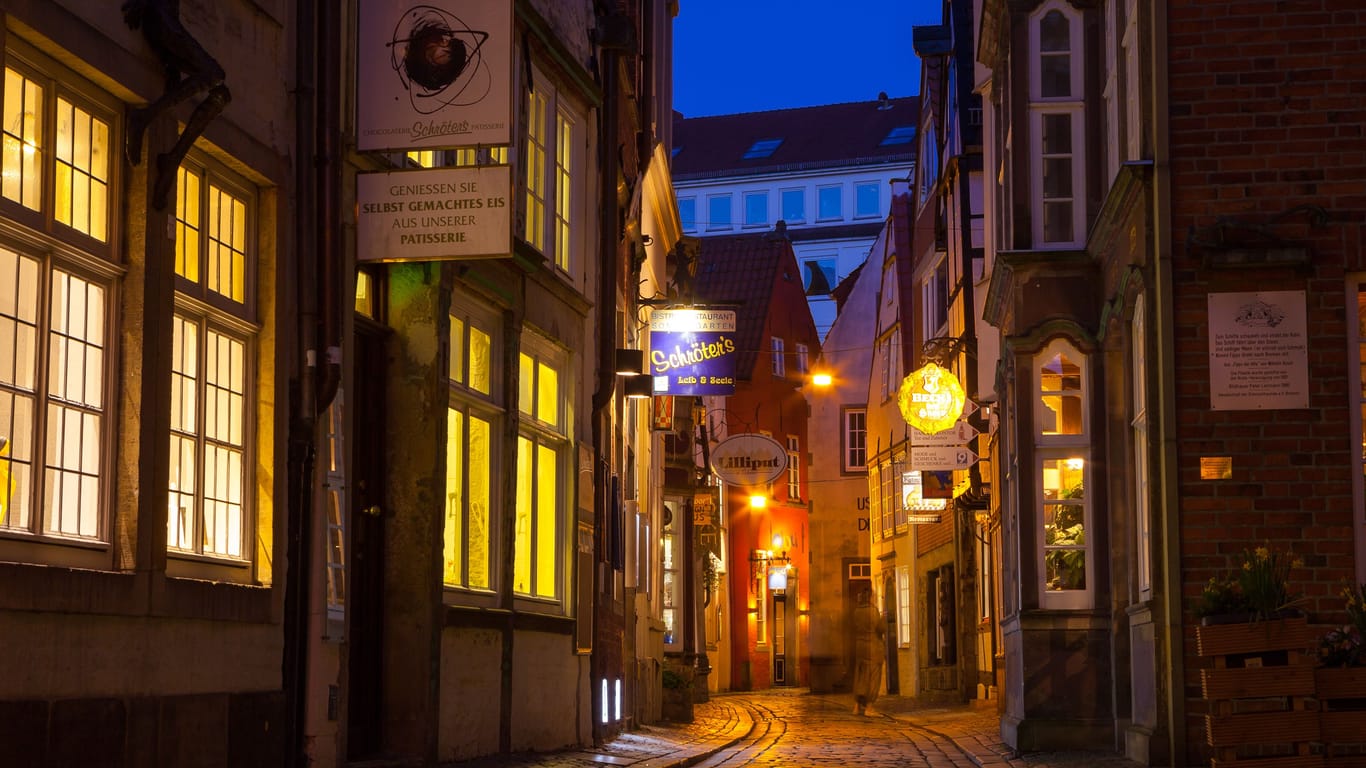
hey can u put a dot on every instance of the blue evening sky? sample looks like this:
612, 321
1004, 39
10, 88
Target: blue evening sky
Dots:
755, 55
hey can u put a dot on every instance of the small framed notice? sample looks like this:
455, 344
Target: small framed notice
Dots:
1258, 351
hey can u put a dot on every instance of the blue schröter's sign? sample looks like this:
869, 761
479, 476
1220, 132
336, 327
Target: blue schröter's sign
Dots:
692, 351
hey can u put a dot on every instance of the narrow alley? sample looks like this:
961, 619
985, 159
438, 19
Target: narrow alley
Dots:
795, 728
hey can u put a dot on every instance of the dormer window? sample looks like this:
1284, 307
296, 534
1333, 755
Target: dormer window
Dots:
762, 148
902, 134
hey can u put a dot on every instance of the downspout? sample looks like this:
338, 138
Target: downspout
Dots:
317, 73
303, 407
1165, 316
609, 236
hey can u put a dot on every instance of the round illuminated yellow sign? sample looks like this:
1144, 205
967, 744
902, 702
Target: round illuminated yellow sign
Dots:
931, 399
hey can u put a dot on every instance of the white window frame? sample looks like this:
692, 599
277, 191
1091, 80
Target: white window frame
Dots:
800, 194
712, 206
861, 187
794, 470
825, 189
903, 606
1074, 107
689, 222
746, 199
803, 360
934, 300
1062, 447
875, 500
779, 363
854, 439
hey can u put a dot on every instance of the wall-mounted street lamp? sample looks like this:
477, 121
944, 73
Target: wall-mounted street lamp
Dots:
638, 387
630, 362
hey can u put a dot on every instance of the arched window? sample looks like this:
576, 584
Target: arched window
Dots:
1062, 465
1057, 126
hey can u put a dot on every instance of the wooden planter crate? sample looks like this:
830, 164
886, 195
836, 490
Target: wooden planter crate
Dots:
1342, 715
1260, 694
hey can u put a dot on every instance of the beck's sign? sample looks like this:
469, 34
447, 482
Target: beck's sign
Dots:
692, 351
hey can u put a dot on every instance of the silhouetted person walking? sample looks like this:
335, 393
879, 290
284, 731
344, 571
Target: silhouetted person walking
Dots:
869, 652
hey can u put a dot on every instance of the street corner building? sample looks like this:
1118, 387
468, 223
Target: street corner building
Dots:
312, 450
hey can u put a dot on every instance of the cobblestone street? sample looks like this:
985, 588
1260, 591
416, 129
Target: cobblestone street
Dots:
795, 728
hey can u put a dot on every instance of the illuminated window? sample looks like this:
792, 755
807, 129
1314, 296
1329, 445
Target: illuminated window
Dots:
669, 590
1062, 459
471, 434
903, 606
49, 312
542, 484
74, 147
58, 279
212, 349
794, 463
855, 440
552, 163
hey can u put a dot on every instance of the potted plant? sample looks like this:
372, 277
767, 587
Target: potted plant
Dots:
1340, 679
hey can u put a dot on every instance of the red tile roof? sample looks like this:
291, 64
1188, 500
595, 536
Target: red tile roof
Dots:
832, 135
746, 271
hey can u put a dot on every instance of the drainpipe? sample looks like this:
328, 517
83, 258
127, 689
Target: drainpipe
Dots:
303, 404
609, 236
1165, 316
317, 254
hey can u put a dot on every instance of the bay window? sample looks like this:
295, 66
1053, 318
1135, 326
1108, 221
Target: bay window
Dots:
1062, 467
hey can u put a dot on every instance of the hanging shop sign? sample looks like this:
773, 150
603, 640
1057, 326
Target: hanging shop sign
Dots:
749, 459
931, 399
436, 214
433, 75
706, 505
913, 496
692, 351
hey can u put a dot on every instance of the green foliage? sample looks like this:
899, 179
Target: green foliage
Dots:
1342, 646
1259, 587
673, 680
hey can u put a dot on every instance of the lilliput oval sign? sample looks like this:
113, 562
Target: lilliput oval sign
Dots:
749, 459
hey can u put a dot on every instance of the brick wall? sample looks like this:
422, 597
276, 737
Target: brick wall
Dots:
1267, 111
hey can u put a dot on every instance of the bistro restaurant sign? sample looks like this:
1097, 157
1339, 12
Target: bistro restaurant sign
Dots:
692, 351
931, 399
749, 459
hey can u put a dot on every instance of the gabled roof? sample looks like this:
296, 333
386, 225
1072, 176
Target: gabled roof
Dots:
745, 271
832, 135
